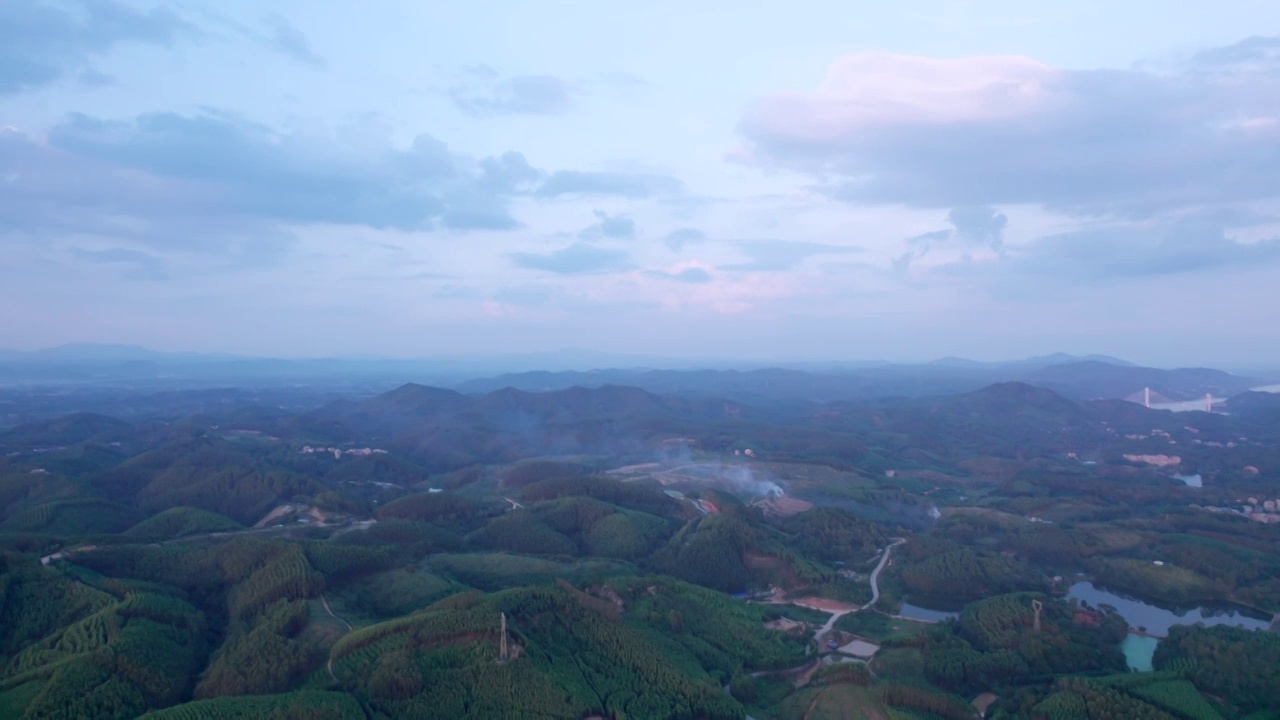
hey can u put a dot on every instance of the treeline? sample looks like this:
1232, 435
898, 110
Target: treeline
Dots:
301, 705
577, 526
1240, 666
82, 652
725, 635
832, 534
937, 572
633, 496
181, 522
573, 657
731, 553
1081, 699
454, 512
994, 644
253, 586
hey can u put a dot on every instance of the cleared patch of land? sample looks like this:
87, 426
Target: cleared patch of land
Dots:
832, 702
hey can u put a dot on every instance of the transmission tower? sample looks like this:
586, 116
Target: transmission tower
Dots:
502, 641
1037, 606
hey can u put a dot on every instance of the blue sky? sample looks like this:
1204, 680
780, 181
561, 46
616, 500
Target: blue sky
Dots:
714, 179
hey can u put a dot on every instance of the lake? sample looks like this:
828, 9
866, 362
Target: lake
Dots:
1190, 480
1157, 620
1139, 649
915, 612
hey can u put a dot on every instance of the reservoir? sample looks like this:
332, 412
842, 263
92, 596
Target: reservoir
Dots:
1139, 649
1157, 620
915, 612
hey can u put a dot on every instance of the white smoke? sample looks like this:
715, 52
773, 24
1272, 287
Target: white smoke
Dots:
743, 480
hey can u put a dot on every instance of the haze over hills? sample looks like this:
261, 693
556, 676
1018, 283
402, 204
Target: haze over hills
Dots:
346, 555
1087, 377
1079, 379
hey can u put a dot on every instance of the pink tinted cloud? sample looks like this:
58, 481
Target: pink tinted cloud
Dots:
872, 89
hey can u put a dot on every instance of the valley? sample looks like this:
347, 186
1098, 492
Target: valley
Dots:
771, 560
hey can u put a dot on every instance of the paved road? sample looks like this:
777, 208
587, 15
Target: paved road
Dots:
875, 574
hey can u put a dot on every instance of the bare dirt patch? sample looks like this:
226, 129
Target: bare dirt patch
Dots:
276, 513
785, 506
784, 625
824, 604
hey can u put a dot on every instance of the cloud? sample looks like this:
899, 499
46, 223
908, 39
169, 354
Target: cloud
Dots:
576, 259
979, 226
509, 173
140, 266
615, 227
929, 237
483, 95
974, 226
678, 238
1128, 251
275, 33
621, 184
42, 43
997, 130
778, 255
1257, 53
217, 164
285, 38
693, 275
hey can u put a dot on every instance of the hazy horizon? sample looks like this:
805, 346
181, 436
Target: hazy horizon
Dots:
904, 182
576, 359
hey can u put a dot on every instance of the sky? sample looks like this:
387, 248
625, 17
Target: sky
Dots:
808, 180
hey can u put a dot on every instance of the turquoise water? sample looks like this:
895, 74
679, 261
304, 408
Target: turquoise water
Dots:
1138, 651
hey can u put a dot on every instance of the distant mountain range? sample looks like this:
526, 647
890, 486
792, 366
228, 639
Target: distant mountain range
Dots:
1076, 377
1072, 378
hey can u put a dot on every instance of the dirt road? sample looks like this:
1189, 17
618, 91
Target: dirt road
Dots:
329, 665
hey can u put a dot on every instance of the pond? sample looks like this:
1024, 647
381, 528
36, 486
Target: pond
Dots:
1157, 620
1138, 651
1190, 480
915, 612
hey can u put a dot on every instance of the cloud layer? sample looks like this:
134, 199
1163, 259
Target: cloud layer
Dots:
483, 94
1002, 130
42, 43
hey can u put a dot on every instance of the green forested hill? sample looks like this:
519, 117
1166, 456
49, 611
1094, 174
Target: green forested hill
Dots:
357, 560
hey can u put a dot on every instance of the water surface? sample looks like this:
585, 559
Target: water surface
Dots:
1138, 651
916, 612
1158, 620
1190, 480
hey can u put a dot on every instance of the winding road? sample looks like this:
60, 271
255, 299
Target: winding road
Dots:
329, 666
875, 574
831, 621
875, 593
